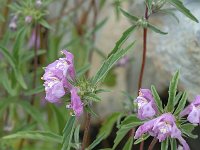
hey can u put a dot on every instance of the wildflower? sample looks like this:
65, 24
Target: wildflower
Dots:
162, 127
193, 111
28, 19
13, 23
56, 75
146, 105
76, 105
38, 3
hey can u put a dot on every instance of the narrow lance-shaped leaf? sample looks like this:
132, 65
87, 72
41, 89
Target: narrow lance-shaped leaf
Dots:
143, 138
128, 123
107, 65
121, 41
18, 44
149, 4
179, 5
155, 29
106, 129
35, 135
169, 12
164, 144
173, 144
172, 92
67, 133
177, 98
129, 143
129, 16
181, 104
187, 130
157, 99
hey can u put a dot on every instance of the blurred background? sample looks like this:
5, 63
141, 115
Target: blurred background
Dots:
82, 26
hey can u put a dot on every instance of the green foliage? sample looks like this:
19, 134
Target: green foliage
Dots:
105, 129
179, 5
165, 144
142, 22
187, 130
128, 123
172, 92
181, 104
157, 99
142, 138
173, 144
35, 135
68, 133
129, 143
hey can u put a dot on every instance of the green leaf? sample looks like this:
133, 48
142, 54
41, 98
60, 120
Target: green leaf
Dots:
173, 144
157, 99
164, 144
92, 97
149, 4
129, 143
76, 134
187, 130
129, 16
35, 135
60, 118
6, 82
172, 92
179, 5
181, 104
122, 40
19, 77
142, 138
83, 70
45, 24
89, 110
105, 129
177, 98
111, 78
18, 44
13, 63
4, 103
67, 133
107, 65
169, 12
155, 29
37, 90
128, 123
8, 56
34, 112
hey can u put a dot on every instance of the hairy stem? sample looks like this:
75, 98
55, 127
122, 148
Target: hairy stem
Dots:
143, 60
86, 131
88, 116
154, 141
34, 78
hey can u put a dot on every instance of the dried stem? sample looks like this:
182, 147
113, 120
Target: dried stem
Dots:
154, 141
37, 31
143, 60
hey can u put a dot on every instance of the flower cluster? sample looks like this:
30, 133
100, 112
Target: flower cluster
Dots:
57, 76
163, 125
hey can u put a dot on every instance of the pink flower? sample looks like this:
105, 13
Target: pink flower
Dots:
146, 105
76, 104
193, 111
162, 127
56, 75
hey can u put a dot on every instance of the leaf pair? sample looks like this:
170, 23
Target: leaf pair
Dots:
143, 21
